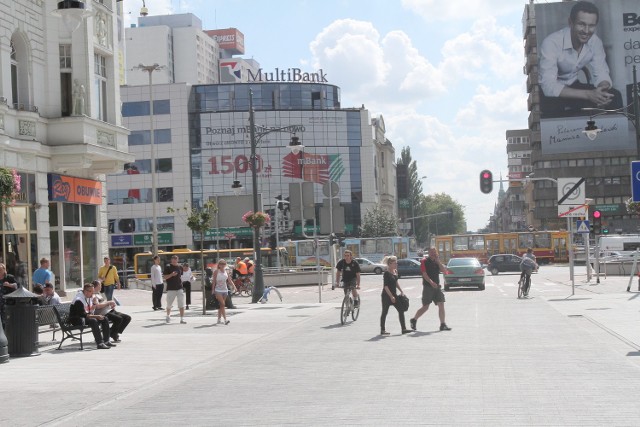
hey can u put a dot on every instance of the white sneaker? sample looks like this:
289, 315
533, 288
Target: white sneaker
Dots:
168, 319
183, 321
219, 322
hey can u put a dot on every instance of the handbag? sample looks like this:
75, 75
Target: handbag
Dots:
402, 302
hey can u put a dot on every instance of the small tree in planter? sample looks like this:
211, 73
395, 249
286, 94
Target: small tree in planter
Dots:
199, 220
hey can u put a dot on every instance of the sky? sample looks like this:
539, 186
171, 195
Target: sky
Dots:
446, 76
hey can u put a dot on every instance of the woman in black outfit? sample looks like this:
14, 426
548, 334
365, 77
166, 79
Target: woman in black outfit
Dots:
389, 295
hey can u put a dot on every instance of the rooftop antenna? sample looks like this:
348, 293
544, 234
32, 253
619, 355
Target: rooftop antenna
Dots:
143, 10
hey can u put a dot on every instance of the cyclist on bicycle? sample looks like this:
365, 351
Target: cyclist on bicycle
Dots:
527, 266
250, 266
240, 271
349, 269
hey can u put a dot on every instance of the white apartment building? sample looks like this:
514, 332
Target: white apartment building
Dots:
61, 130
175, 41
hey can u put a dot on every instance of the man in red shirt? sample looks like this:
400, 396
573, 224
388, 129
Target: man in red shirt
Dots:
431, 267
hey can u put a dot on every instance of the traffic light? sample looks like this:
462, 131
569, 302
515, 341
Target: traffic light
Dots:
605, 230
450, 213
332, 239
341, 241
272, 241
486, 181
597, 222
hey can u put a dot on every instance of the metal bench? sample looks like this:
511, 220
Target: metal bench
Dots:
68, 329
46, 316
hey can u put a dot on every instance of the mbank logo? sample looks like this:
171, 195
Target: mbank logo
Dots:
316, 168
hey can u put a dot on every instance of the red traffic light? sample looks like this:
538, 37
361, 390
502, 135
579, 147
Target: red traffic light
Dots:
486, 181
597, 214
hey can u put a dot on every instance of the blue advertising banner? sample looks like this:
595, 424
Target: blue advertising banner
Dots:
120, 240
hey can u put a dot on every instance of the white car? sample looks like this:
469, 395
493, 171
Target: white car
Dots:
367, 266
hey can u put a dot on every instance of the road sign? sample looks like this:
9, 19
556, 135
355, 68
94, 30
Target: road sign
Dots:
571, 197
635, 180
582, 227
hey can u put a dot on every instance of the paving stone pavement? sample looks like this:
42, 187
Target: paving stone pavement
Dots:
548, 360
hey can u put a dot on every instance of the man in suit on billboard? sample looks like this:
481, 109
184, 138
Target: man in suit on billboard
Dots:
570, 55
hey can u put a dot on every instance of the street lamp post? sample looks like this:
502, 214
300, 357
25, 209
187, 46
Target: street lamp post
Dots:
154, 226
413, 214
295, 146
592, 130
278, 232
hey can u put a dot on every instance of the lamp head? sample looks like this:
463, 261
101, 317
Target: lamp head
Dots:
72, 12
591, 130
236, 187
295, 146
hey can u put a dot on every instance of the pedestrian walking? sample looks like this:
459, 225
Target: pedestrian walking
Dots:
108, 275
431, 267
172, 273
157, 284
187, 279
43, 275
221, 284
390, 296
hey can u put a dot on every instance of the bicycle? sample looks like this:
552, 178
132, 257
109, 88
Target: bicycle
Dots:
265, 296
243, 286
524, 284
349, 308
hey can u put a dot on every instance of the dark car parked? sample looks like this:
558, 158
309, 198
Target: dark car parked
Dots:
504, 263
408, 267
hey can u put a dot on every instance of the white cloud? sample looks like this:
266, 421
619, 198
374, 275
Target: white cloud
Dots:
486, 51
367, 68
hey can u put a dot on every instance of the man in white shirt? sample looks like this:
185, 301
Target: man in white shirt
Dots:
566, 53
50, 295
157, 283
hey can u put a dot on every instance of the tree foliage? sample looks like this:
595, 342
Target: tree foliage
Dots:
379, 223
438, 224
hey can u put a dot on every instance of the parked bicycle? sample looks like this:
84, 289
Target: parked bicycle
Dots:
349, 307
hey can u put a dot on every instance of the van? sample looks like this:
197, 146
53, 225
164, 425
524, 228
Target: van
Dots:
624, 243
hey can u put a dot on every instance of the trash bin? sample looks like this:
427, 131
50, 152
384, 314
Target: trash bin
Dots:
22, 328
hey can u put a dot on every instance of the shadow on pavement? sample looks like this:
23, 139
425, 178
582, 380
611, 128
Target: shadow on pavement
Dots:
334, 326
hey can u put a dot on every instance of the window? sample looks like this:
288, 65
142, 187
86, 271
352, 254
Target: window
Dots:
66, 86
100, 87
165, 194
134, 109
14, 75
143, 137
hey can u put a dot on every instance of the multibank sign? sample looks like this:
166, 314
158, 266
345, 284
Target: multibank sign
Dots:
277, 75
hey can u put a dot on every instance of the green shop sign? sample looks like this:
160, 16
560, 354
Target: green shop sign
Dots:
611, 208
219, 233
145, 239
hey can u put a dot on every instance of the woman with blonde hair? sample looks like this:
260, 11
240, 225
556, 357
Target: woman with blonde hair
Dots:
220, 290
